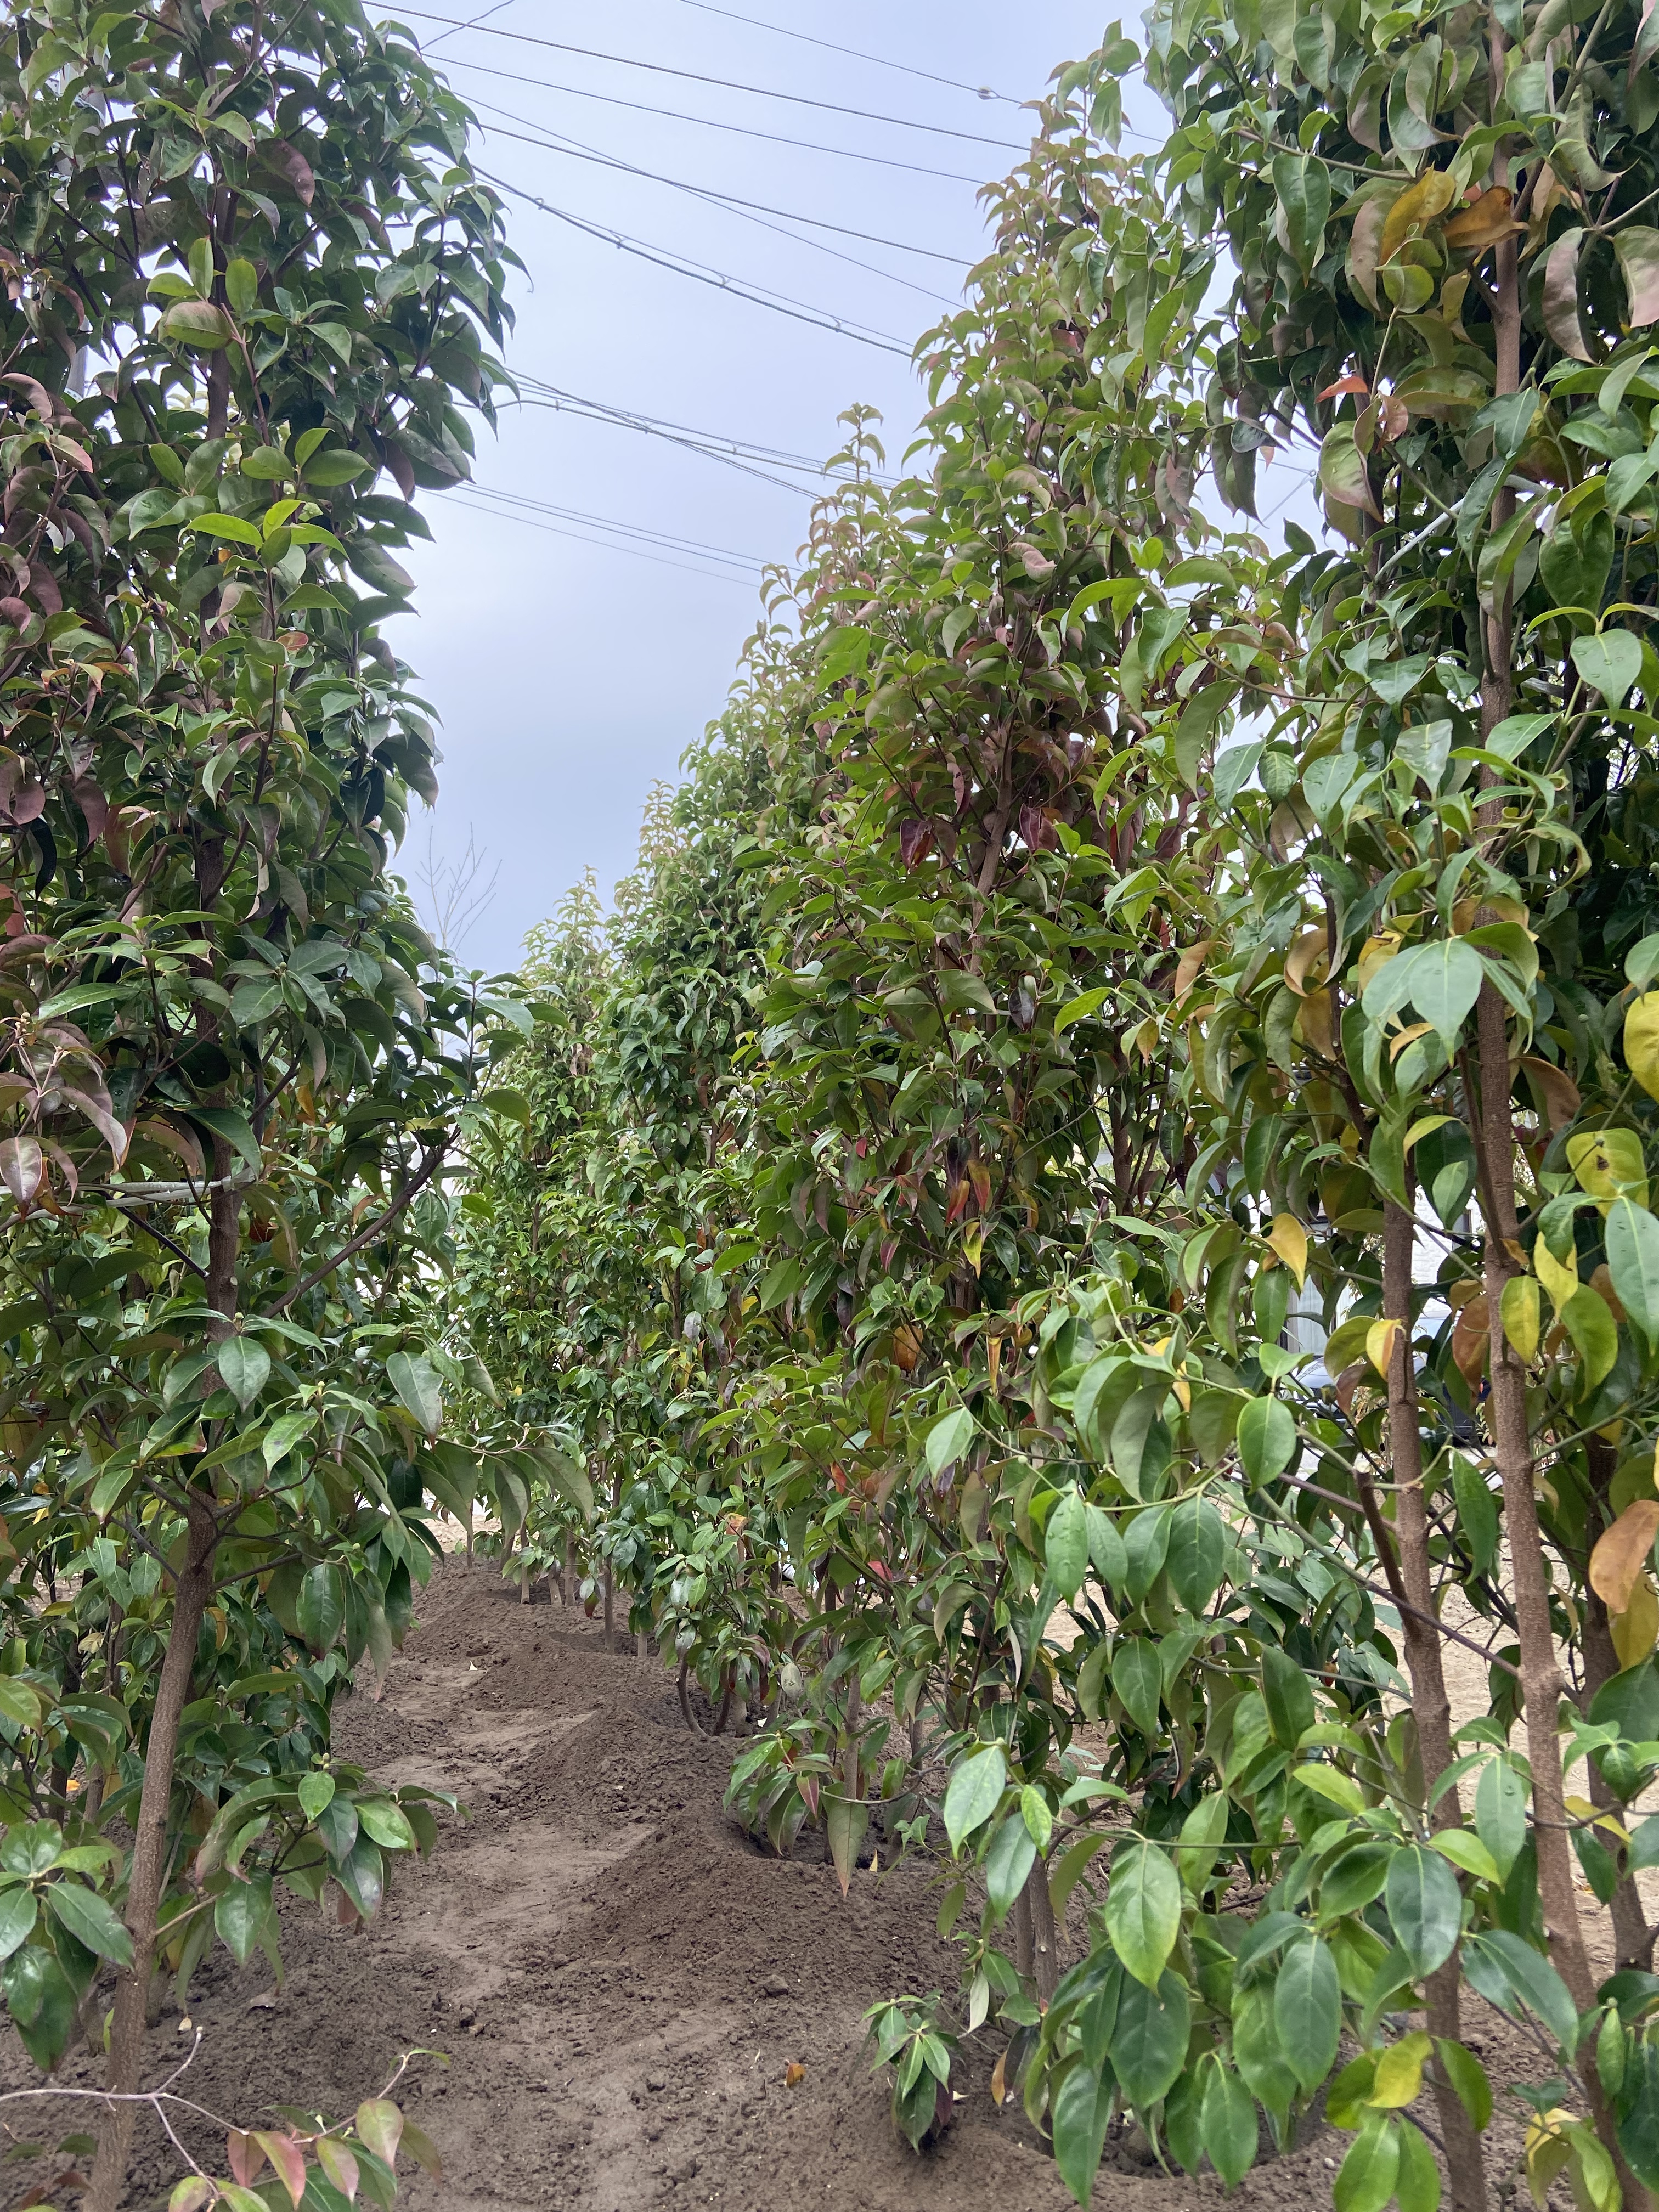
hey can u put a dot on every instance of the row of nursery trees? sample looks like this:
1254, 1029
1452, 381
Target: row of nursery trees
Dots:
1097, 953
1090, 933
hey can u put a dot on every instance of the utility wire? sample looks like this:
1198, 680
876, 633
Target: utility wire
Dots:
641, 531
979, 91
607, 545
554, 142
725, 84
738, 452
712, 191
708, 122
471, 24
817, 318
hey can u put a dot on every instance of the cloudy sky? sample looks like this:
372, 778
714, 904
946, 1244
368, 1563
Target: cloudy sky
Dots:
573, 654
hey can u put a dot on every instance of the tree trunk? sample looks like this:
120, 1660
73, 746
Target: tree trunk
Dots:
1045, 1949
1543, 1683
1465, 2165
191, 1592
607, 1605
568, 1593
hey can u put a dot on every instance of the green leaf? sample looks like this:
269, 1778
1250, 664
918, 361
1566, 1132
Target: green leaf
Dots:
415, 1381
380, 2126
1007, 1863
386, 1823
1302, 183
974, 1789
1080, 1009
1288, 1696
1137, 1682
1416, 2184
1500, 1813
1632, 1248
90, 1920
1508, 1971
240, 1916
1266, 1439
1609, 662
1308, 2010
1425, 1906
1445, 982
18, 1914
233, 1129
1143, 1909
1082, 2108
320, 1608
1477, 1511
197, 323
1106, 1549
244, 1367
949, 1438
1149, 2038
1342, 474
1469, 2078
1198, 1547
315, 1792
1066, 1542
1366, 2179
1227, 2125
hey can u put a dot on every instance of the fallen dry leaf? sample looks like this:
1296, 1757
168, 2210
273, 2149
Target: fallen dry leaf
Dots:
793, 2074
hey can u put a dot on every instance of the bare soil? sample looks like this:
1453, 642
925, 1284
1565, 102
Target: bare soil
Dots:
619, 1976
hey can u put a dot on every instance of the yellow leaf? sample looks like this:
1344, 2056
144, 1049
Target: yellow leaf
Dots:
1635, 1630
1187, 968
1558, 1280
1400, 2071
1548, 2150
1608, 1162
1290, 1240
1641, 1041
1314, 1025
1409, 1035
1311, 947
999, 2079
1522, 1313
1622, 1554
1380, 1343
1376, 952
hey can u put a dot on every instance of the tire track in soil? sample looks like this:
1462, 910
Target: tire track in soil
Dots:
619, 1976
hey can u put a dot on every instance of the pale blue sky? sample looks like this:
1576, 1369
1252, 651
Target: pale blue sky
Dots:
568, 674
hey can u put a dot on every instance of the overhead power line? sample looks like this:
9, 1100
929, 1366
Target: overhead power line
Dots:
643, 531
607, 545
979, 91
554, 142
710, 122
725, 84
662, 258
741, 453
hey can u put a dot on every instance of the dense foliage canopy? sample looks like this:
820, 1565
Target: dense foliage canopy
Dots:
1094, 1209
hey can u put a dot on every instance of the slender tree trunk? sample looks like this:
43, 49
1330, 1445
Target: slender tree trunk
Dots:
191, 1592
1543, 1685
608, 1592
1045, 1948
1465, 2164
568, 1593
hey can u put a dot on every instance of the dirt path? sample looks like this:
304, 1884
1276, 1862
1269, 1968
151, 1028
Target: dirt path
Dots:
619, 1977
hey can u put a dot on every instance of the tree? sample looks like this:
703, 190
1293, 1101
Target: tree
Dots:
250, 269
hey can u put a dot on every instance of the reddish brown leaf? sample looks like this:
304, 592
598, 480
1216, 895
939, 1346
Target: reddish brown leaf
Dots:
1561, 294
22, 1166
245, 2154
290, 2161
286, 161
1344, 384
